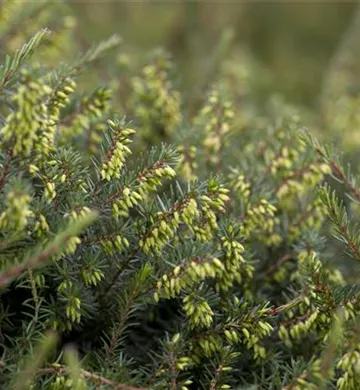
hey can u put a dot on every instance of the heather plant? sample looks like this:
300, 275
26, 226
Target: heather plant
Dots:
146, 244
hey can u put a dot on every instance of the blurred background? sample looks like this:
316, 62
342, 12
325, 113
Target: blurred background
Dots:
295, 40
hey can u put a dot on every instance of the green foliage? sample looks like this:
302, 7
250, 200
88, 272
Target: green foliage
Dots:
168, 247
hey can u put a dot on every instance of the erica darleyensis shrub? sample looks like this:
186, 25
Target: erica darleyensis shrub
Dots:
151, 241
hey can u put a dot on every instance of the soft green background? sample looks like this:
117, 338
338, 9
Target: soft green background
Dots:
294, 39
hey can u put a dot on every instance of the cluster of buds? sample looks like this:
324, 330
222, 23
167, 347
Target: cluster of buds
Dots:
30, 118
41, 227
215, 198
299, 329
235, 266
73, 309
206, 345
259, 352
159, 234
187, 163
215, 118
156, 102
91, 275
188, 273
17, 213
260, 218
182, 364
92, 109
70, 246
67, 293
283, 161
308, 315
150, 179
146, 181
128, 199
50, 191
114, 244
301, 180
350, 365
310, 259
98, 103
118, 151
167, 223
58, 99
315, 174
239, 185
198, 311
202, 231
55, 173
39, 280
64, 286
60, 96
311, 218
248, 329
232, 248
198, 212
211, 202
77, 213
62, 382
241, 334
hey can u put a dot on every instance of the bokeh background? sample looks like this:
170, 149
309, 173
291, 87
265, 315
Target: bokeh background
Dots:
295, 40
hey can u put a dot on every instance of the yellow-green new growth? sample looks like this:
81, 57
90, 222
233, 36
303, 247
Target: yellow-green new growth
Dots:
156, 102
25, 125
198, 311
118, 152
17, 213
215, 120
90, 112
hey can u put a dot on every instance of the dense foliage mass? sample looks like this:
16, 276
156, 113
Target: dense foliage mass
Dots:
153, 240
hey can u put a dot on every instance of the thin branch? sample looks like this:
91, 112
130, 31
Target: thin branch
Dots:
117, 275
294, 302
215, 381
123, 319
